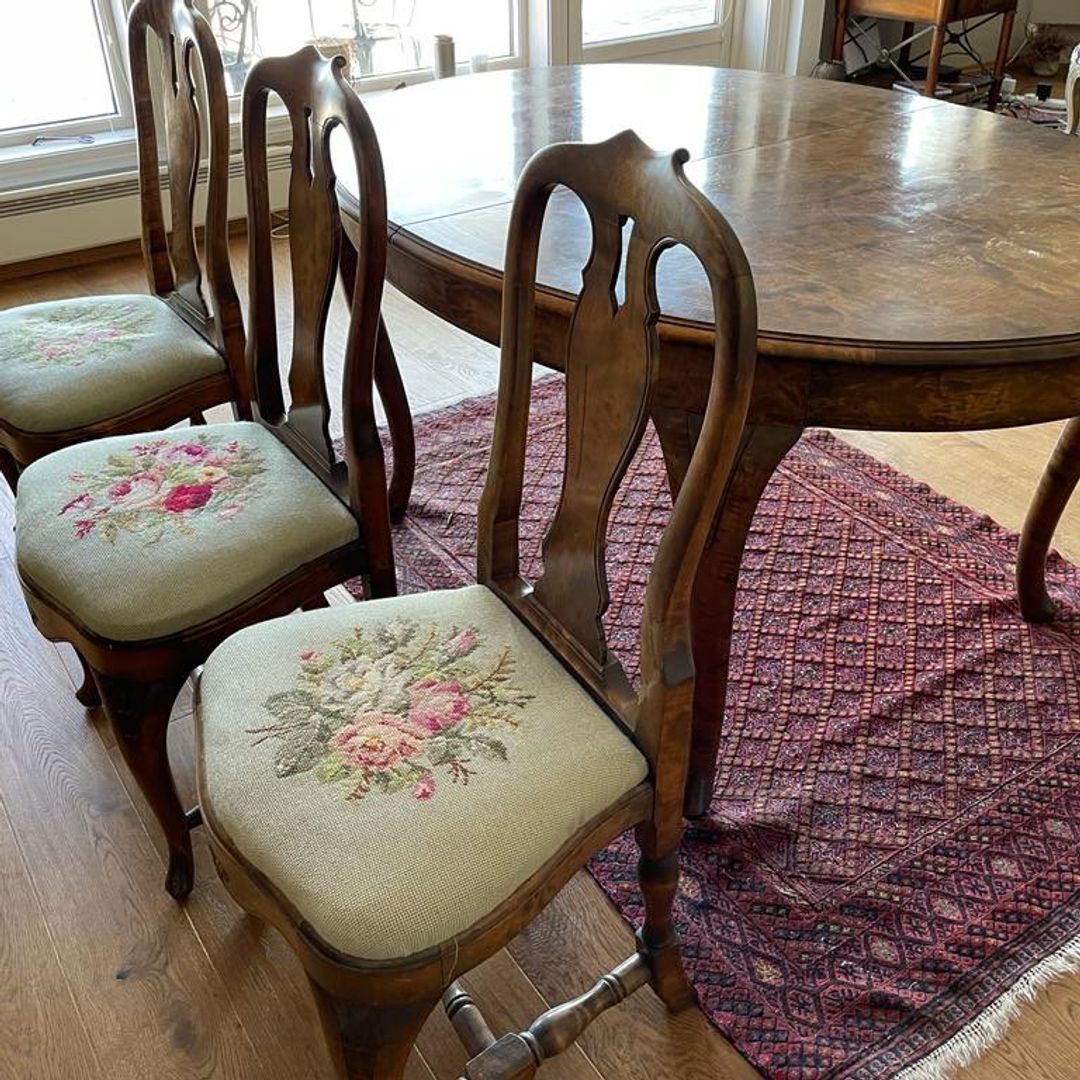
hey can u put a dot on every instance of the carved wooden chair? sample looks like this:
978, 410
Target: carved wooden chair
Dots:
145, 552
1072, 94
399, 787
78, 369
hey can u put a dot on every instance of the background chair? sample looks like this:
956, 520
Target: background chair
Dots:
79, 369
1072, 93
399, 787
939, 14
145, 552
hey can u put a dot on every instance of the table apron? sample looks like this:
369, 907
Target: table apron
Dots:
939, 394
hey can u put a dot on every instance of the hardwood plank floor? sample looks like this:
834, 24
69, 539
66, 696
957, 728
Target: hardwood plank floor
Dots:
103, 976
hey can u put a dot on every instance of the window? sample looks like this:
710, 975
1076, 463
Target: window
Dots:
63, 70
380, 38
46, 42
614, 20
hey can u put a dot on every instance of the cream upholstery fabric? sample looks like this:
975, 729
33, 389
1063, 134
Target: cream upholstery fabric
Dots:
142, 535
68, 363
293, 711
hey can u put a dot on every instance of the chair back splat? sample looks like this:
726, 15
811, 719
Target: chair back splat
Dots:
613, 363
171, 255
318, 99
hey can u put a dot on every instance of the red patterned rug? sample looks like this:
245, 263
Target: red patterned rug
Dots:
891, 860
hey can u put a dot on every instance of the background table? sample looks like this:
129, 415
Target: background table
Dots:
916, 267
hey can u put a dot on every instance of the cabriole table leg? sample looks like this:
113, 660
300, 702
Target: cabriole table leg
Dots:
1055, 489
713, 605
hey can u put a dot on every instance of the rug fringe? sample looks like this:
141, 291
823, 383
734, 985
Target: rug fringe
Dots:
989, 1027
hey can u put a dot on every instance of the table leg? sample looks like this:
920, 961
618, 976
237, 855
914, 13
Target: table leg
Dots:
762, 449
1007, 20
1055, 489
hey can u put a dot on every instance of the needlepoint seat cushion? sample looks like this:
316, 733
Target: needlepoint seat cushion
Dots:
69, 363
397, 768
140, 536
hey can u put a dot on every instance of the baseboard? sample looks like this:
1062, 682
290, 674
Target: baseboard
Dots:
67, 260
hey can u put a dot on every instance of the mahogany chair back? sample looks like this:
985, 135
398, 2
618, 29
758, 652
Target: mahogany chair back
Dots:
173, 265
319, 99
612, 367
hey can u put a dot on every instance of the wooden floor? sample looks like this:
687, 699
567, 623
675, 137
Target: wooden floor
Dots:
102, 975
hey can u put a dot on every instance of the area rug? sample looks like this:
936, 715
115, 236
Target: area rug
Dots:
890, 864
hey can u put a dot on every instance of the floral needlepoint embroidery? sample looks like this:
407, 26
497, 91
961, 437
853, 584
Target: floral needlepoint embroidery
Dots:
398, 709
67, 338
163, 486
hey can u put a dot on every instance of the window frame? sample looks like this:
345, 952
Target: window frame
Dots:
640, 46
367, 84
111, 18
24, 165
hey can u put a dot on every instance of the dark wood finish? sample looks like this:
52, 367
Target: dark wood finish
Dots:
1056, 488
939, 13
372, 1011
856, 207
319, 100
174, 270
212, 992
392, 391
467, 1019
520, 1055
138, 681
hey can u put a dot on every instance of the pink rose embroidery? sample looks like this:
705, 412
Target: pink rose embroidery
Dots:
187, 497
148, 487
189, 451
409, 728
80, 502
424, 788
463, 643
435, 705
377, 741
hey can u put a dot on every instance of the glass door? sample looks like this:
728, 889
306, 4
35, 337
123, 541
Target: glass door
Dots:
691, 31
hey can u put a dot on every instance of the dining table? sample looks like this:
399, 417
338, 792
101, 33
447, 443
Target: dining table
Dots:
917, 268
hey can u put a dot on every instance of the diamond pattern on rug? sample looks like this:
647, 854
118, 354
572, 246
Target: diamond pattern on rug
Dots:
893, 838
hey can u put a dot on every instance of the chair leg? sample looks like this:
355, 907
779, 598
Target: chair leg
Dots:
839, 31
368, 1043
87, 694
1001, 59
10, 468
315, 603
933, 63
198, 419
658, 874
138, 713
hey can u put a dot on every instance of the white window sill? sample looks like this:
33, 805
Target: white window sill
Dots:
25, 167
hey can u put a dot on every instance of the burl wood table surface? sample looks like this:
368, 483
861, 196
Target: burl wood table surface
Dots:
917, 266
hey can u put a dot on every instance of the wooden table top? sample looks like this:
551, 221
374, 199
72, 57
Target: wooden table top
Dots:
878, 225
